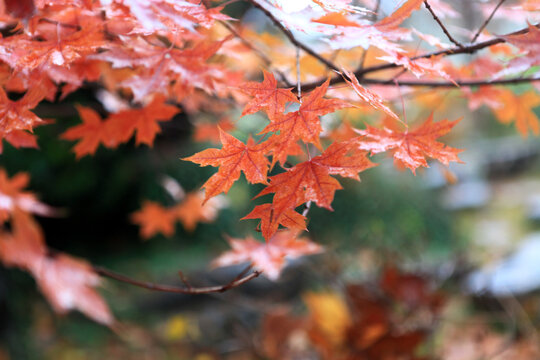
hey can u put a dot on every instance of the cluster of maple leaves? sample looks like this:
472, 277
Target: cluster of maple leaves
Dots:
151, 58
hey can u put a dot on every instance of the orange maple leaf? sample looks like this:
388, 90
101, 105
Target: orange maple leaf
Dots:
268, 257
518, 108
233, 158
67, 283
144, 120
367, 95
24, 54
91, 132
530, 44
270, 220
154, 218
193, 210
267, 97
303, 124
13, 198
391, 22
311, 181
16, 115
410, 148
205, 131
19, 139
336, 19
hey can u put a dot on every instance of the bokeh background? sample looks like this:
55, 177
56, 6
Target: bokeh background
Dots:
467, 239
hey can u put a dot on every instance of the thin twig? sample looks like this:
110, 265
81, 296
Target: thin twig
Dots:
188, 289
469, 49
291, 37
464, 83
444, 29
267, 61
487, 21
376, 11
298, 78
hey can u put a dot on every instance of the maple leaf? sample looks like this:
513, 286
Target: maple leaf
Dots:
518, 108
19, 139
158, 66
233, 158
367, 95
91, 132
193, 210
205, 131
418, 67
310, 181
16, 115
13, 198
266, 96
269, 257
270, 220
336, 19
24, 54
143, 120
154, 218
410, 148
303, 124
529, 43
67, 283
177, 15
391, 22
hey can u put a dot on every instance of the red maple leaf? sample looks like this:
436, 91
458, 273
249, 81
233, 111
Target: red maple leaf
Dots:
303, 124
268, 257
270, 219
154, 218
16, 115
411, 148
67, 283
529, 43
267, 97
25, 54
233, 158
205, 131
311, 181
19, 139
391, 22
193, 210
367, 95
144, 120
13, 198
91, 132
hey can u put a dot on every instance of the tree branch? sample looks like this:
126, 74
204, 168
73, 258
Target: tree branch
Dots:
291, 37
465, 83
487, 21
444, 29
242, 278
468, 49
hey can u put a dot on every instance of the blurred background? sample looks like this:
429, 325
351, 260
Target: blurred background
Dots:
444, 264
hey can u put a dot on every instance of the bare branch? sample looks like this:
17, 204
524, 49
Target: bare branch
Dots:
487, 21
291, 37
465, 83
444, 29
242, 278
298, 78
469, 49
